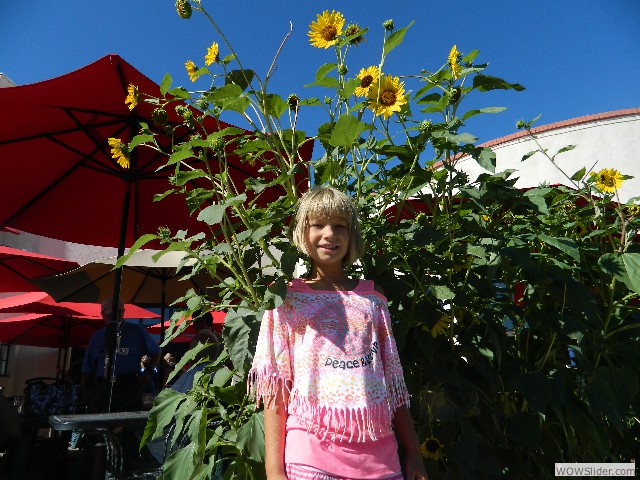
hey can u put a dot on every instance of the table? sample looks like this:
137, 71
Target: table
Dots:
108, 456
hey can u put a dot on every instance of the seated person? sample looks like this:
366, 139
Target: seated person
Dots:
135, 342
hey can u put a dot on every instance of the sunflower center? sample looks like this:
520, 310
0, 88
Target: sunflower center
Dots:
432, 446
329, 32
366, 81
388, 97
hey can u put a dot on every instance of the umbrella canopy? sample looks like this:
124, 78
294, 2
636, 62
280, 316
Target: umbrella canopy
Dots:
49, 330
218, 322
42, 303
144, 281
18, 268
58, 177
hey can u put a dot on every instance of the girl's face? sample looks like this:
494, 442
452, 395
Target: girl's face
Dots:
327, 239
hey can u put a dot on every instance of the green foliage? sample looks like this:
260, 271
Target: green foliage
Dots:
515, 313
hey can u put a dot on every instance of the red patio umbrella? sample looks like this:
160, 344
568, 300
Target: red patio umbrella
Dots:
49, 330
42, 303
218, 322
19, 267
59, 179
45, 323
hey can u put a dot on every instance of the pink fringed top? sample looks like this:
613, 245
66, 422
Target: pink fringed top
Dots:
336, 355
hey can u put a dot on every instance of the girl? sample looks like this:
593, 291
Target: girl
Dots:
326, 365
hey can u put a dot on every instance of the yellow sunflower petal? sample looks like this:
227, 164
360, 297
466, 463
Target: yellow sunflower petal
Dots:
608, 180
326, 29
387, 96
452, 60
191, 70
367, 76
119, 153
132, 96
212, 54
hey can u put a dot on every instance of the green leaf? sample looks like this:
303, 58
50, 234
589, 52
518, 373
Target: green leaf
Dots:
395, 39
329, 82
325, 69
288, 262
180, 92
236, 337
486, 159
139, 139
579, 175
442, 292
250, 437
346, 131
486, 83
479, 111
349, 88
566, 245
183, 177
274, 105
212, 215
230, 96
261, 232
166, 84
624, 267
180, 155
242, 78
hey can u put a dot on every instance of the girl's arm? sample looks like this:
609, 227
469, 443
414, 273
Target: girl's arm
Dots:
408, 438
275, 421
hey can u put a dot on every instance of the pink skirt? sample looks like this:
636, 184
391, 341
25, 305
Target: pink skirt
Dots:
296, 471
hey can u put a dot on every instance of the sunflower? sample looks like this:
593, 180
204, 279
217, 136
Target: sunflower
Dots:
132, 96
326, 29
633, 210
431, 448
607, 180
212, 54
191, 70
452, 60
441, 326
354, 29
367, 77
119, 152
387, 96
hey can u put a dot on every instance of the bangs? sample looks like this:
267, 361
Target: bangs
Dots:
323, 202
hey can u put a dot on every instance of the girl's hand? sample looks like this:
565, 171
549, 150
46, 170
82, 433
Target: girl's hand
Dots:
414, 467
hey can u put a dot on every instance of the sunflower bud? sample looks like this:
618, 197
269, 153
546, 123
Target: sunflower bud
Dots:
342, 69
202, 104
354, 29
184, 9
327, 100
425, 126
454, 94
164, 233
216, 144
293, 101
159, 116
388, 25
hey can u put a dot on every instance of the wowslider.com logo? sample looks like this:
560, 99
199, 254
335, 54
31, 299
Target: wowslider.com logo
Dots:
595, 470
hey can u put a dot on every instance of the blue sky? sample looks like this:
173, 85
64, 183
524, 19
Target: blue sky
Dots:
574, 57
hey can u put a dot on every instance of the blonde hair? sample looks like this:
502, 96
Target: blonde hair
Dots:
326, 202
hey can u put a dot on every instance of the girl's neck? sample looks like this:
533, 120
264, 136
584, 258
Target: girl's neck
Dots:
323, 279
331, 275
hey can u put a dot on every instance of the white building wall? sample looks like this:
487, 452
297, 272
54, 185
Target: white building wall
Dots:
610, 140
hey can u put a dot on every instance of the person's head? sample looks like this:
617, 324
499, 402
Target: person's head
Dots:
203, 321
105, 310
322, 203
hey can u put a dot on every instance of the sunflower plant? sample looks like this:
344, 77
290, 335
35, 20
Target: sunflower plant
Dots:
515, 312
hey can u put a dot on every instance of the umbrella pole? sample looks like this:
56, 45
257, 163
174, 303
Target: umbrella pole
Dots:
112, 333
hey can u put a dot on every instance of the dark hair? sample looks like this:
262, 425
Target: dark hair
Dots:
205, 317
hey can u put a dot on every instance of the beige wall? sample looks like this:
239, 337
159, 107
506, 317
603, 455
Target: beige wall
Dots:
602, 143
